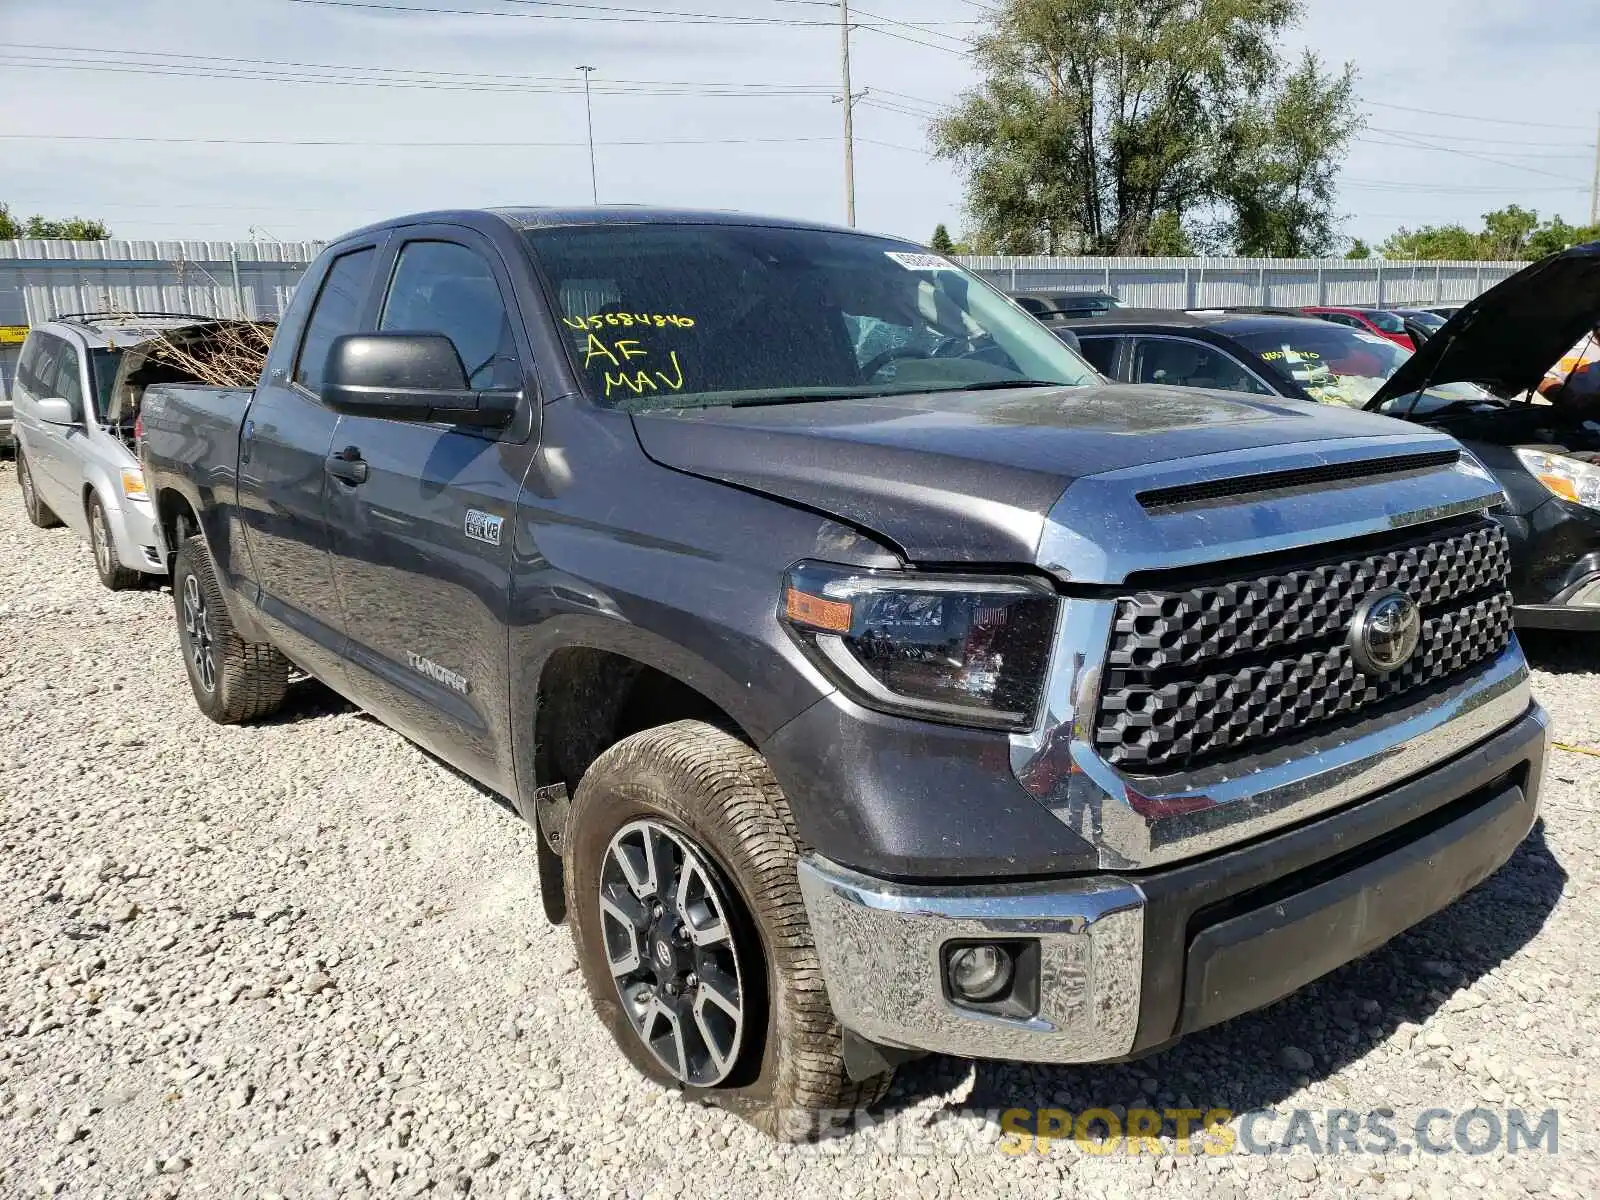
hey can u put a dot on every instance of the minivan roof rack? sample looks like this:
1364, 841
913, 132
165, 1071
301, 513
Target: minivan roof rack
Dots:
93, 318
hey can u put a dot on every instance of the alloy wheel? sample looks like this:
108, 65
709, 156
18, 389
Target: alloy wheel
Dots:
669, 942
101, 543
197, 631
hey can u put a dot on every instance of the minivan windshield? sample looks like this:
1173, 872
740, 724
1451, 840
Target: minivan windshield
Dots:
1339, 365
694, 315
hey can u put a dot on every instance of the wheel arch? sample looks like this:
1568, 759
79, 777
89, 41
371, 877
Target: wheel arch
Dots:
585, 696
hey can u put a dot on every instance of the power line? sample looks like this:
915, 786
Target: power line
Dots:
422, 83
238, 141
922, 27
1428, 112
1412, 144
603, 13
1418, 144
218, 59
1446, 137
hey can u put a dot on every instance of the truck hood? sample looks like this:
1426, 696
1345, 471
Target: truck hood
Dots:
954, 477
1511, 335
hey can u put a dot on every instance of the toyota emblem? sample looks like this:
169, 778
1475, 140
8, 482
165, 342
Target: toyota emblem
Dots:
1384, 632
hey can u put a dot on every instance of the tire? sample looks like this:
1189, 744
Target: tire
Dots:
112, 573
716, 796
38, 511
234, 681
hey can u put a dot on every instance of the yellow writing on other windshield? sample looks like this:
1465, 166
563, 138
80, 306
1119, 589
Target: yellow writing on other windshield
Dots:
628, 320
614, 360
1274, 355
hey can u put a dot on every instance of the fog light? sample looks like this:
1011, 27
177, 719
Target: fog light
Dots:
979, 973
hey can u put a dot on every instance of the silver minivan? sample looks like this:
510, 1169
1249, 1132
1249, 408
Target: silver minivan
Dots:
77, 461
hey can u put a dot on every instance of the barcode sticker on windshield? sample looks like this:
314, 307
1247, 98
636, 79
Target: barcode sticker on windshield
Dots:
921, 262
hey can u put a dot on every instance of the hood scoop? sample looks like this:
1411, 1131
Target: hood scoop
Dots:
1283, 483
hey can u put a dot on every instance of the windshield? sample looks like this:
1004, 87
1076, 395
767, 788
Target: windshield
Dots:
672, 316
1339, 365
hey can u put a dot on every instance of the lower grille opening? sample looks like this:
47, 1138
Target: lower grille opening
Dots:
1342, 864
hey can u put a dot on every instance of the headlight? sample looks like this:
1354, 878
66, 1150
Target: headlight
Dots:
133, 483
1473, 465
967, 649
1565, 476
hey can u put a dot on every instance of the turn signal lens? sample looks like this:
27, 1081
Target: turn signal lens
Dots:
133, 483
805, 609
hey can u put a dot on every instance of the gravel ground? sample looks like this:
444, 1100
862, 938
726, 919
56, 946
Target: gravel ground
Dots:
305, 959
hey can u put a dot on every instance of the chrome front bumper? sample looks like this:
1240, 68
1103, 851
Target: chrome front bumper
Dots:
881, 947
1129, 963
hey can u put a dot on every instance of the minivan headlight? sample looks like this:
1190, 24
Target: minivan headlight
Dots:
964, 649
1570, 478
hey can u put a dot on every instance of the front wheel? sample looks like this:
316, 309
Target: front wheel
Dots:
112, 573
233, 680
690, 929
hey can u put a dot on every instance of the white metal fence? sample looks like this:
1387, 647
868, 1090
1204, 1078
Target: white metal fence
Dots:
1214, 282
43, 279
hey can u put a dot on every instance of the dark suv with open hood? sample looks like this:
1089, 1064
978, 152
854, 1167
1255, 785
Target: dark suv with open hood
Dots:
1476, 378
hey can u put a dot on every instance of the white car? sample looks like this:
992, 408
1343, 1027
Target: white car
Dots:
76, 459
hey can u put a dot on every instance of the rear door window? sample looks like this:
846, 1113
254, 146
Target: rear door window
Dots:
1191, 364
335, 313
1101, 353
37, 369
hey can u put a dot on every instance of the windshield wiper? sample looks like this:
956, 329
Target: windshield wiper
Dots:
805, 398
995, 385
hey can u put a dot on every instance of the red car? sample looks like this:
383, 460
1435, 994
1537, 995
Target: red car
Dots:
1373, 320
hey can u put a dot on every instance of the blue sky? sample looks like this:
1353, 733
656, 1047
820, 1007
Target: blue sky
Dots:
767, 143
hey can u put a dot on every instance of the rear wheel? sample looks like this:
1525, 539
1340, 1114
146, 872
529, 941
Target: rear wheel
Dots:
112, 573
38, 511
233, 680
692, 935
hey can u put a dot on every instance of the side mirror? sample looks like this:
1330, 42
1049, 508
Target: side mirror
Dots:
56, 411
408, 377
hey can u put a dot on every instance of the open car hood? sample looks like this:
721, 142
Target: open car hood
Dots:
1511, 335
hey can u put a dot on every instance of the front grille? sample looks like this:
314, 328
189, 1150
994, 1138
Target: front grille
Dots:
1211, 671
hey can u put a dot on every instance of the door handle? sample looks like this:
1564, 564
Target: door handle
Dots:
247, 435
348, 465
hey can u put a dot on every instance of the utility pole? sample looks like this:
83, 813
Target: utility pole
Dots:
588, 113
1594, 196
849, 116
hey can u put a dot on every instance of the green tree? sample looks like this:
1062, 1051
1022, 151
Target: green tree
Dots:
1168, 238
1555, 234
940, 242
9, 229
1098, 123
73, 229
1449, 242
1358, 249
1506, 232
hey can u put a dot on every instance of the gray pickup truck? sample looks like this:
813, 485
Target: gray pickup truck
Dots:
879, 679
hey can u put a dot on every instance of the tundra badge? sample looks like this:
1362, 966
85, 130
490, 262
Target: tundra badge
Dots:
426, 666
484, 527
